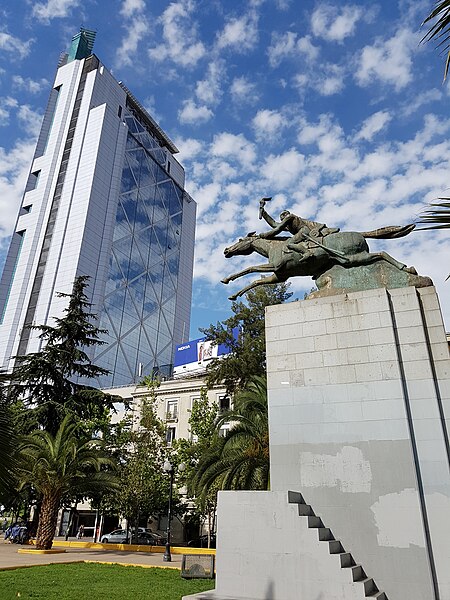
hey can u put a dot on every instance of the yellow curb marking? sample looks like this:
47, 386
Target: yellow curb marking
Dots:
33, 551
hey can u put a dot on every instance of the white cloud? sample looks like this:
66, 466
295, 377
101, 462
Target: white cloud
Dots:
190, 149
388, 61
283, 170
240, 34
14, 169
180, 36
209, 90
234, 147
14, 45
30, 120
6, 104
335, 24
327, 81
243, 90
136, 31
289, 45
52, 9
131, 7
373, 124
193, 113
268, 123
30, 85
415, 103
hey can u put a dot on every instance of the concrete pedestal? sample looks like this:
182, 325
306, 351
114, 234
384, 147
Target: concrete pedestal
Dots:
359, 408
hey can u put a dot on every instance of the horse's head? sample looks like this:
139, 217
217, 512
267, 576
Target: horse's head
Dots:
242, 247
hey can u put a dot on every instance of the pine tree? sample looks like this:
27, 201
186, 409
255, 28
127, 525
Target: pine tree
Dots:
46, 385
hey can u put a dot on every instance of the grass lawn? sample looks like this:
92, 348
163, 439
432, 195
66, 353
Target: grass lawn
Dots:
97, 582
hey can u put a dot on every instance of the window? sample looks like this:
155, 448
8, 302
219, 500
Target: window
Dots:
119, 112
26, 209
170, 435
172, 410
224, 403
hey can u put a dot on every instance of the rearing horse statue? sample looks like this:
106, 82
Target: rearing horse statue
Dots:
345, 250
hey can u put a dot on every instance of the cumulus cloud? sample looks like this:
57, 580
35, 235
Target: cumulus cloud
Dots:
268, 123
334, 23
234, 147
136, 28
326, 81
30, 85
388, 61
283, 170
243, 90
13, 45
53, 9
373, 124
194, 113
130, 8
240, 34
209, 89
181, 44
290, 45
6, 104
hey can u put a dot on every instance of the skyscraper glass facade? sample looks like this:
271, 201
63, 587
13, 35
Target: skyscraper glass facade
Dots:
140, 297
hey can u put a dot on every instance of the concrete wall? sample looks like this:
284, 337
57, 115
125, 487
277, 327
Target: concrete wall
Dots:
358, 411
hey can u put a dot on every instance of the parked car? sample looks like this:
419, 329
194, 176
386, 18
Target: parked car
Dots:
202, 541
118, 536
147, 537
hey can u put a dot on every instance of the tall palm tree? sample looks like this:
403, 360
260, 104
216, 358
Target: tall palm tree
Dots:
240, 460
60, 467
440, 30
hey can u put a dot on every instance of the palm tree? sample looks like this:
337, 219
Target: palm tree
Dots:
440, 31
61, 467
240, 460
437, 217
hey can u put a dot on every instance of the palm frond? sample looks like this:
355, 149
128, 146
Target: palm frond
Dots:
440, 30
437, 216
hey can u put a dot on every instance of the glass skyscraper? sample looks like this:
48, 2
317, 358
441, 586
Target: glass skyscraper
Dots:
105, 197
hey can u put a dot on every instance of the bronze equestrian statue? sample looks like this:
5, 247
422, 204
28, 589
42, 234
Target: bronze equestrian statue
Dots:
337, 261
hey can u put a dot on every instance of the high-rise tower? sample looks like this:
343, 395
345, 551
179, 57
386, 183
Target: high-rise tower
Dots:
105, 197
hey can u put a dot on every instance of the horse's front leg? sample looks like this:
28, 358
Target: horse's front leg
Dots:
256, 269
263, 281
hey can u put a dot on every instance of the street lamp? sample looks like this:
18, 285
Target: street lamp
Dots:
168, 468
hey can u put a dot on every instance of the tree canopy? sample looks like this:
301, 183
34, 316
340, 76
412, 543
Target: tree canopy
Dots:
248, 351
48, 384
440, 29
60, 468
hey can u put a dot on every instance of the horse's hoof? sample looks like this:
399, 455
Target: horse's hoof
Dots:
232, 297
225, 280
411, 270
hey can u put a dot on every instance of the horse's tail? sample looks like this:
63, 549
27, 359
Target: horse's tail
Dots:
389, 233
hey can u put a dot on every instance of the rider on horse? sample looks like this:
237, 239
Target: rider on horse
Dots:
304, 232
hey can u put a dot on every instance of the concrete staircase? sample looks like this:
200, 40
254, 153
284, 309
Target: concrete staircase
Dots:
335, 547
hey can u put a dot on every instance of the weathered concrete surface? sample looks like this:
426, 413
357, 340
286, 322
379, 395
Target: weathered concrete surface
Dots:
359, 405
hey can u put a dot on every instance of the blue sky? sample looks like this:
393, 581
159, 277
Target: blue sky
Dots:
331, 108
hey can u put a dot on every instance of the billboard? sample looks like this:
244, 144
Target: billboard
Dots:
192, 358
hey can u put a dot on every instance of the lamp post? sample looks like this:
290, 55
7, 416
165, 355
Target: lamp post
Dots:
168, 468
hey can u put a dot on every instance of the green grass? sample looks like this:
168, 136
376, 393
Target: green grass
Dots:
97, 582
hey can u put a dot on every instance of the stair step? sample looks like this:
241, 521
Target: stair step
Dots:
370, 587
325, 534
315, 522
305, 510
335, 547
358, 573
347, 559
295, 498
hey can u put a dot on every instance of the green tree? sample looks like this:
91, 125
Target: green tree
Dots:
141, 452
202, 424
45, 385
240, 460
7, 446
248, 352
440, 30
60, 467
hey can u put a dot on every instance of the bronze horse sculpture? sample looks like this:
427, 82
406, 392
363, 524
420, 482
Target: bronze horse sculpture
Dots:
347, 249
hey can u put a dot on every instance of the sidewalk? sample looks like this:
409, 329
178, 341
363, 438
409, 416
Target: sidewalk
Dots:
9, 557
